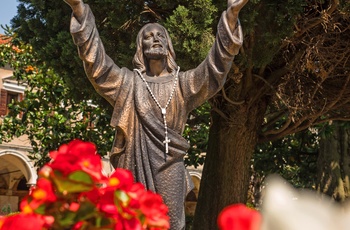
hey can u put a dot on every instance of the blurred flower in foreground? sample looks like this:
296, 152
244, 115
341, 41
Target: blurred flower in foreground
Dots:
289, 209
239, 217
24, 222
72, 193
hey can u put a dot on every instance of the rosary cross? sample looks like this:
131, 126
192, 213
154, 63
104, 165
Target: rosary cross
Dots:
166, 142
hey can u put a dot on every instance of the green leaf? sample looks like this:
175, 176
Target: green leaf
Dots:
122, 197
81, 176
67, 219
41, 209
86, 211
78, 181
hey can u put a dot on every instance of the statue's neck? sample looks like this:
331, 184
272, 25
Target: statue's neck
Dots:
157, 68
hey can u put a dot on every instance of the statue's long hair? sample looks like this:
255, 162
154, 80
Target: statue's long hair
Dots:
139, 58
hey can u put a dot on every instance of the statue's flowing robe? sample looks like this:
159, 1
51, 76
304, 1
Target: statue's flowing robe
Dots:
138, 119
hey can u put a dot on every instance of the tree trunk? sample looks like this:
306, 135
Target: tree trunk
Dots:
225, 177
334, 164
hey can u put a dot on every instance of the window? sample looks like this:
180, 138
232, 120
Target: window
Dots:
11, 98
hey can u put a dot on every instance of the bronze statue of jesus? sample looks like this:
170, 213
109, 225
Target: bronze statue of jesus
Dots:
152, 102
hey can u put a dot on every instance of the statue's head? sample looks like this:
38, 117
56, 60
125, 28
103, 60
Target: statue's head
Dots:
153, 41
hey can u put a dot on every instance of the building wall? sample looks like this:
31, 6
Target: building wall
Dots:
17, 171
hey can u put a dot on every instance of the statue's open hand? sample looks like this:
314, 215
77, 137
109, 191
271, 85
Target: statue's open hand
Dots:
73, 3
236, 5
77, 7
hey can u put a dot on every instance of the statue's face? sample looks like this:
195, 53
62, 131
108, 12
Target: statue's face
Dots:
154, 42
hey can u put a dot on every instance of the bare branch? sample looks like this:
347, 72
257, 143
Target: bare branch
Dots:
313, 22
229, 100
218, 111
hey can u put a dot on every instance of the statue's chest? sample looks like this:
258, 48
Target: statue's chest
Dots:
158, 98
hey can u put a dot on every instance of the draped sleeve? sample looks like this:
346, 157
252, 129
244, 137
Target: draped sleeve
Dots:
110, 81
203, 82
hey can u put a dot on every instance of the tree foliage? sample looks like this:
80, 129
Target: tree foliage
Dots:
197, 134
294, 157
294, 59
292, 71
314, 86
48, 115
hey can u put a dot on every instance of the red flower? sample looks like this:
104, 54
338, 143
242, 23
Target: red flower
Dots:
44, 191
112, 200
94, 195
107, 204
77, 155
2, 220
24, 222
114, 195
239, 217
78, 225
135, 192
155, 211
26, 207
39, 195
74, 206
72, 185
121, 179
131, 224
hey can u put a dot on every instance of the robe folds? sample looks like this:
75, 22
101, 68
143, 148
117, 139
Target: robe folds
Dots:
138, 119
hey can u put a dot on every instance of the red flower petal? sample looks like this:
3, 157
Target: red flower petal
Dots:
152, 206
44, 191
125, 178
24, 222
239, 217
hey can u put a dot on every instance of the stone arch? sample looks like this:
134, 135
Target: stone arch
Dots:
23, 163
192, 197
196, 178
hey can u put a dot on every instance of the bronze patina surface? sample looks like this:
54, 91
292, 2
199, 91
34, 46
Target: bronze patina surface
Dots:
152, 102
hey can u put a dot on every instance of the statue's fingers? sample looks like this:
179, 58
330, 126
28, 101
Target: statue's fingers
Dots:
238, 4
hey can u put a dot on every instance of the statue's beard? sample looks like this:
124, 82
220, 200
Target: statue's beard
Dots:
155, 53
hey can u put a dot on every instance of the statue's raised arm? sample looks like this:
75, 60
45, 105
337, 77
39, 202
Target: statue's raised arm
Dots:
101, 70
233, 9
77, 7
